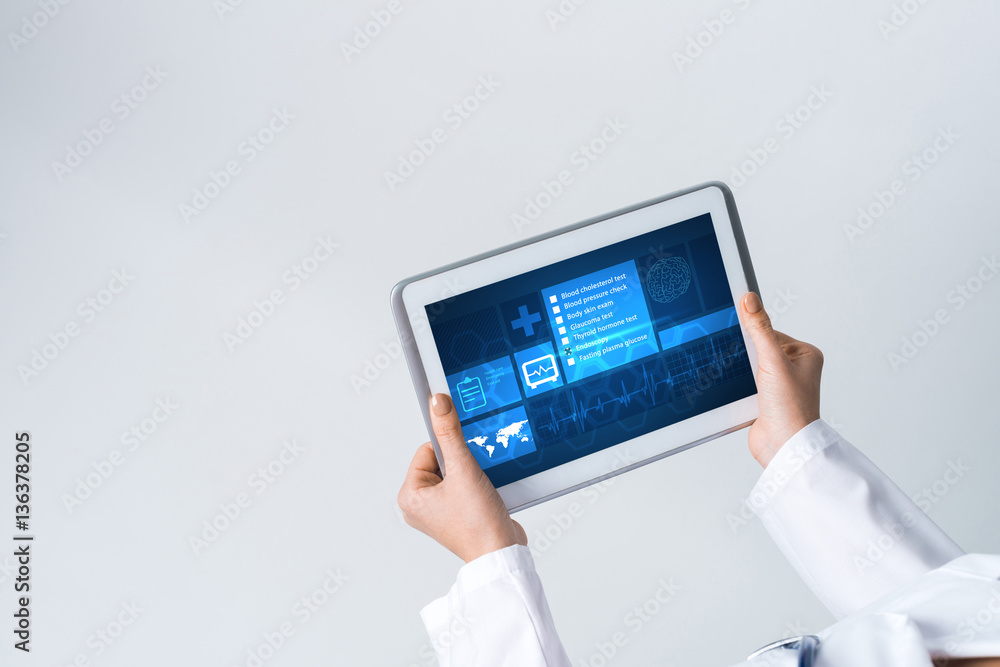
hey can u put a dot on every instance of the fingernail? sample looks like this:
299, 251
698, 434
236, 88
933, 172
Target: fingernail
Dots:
441, 404
752, 303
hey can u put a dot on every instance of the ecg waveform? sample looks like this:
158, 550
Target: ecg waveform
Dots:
678, 375
540, 370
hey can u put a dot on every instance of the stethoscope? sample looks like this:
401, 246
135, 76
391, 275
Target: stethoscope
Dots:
806, 645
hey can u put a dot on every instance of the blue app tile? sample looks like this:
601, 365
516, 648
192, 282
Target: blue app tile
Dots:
483, 388
525, 320
672, 283
500, 438
538, 369
467, 339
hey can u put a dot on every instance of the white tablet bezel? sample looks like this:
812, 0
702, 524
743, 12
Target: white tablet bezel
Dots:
411, 296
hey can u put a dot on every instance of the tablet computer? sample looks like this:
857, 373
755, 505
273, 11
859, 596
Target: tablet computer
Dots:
592, 350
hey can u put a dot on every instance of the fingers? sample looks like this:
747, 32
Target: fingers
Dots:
785, 339
422, 473
425, 460
796, 349
444, 419
758, 325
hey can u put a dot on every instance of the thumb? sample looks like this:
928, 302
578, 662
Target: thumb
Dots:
448, 431
758, 325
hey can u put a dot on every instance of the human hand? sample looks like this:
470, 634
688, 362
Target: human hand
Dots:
462, 511
788, 377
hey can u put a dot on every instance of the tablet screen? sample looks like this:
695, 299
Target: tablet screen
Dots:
571, 358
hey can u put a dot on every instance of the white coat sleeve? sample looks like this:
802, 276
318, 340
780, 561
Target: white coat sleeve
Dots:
851, 534
495, 614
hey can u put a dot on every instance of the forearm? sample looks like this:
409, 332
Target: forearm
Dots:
848, 530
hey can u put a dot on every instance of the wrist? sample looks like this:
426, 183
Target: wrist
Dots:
489, 544
769, 441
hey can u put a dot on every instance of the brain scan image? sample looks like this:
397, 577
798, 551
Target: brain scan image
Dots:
668, 279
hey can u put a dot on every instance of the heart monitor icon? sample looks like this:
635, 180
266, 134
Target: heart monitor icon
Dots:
539, 371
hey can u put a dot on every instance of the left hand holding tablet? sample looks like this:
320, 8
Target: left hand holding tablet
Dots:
461, 510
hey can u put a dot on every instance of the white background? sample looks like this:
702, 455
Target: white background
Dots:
162, 336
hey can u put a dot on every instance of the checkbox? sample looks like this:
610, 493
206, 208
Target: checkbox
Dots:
559, 320
562, 330
555, 309
565, 341
552, 299
571, 362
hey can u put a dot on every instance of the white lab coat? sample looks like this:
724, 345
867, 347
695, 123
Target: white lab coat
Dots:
902, 589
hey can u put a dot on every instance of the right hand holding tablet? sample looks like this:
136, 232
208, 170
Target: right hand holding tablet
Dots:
788, 378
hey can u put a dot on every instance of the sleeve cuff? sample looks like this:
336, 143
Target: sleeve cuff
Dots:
793, 456
475, 574
492, 566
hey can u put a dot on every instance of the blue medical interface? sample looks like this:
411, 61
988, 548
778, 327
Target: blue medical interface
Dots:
589, 352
